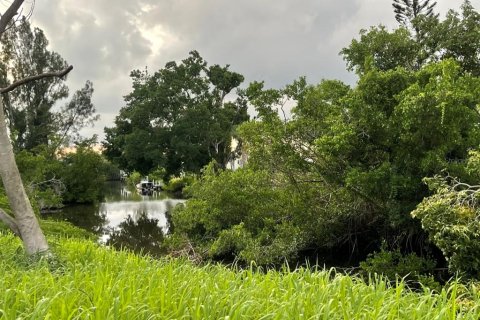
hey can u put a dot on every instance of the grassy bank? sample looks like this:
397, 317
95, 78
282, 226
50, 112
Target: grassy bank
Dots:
91, 282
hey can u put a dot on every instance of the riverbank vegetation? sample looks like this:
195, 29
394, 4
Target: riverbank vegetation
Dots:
381, 178
89, 281
389, 163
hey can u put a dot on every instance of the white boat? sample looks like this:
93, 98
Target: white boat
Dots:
145, 187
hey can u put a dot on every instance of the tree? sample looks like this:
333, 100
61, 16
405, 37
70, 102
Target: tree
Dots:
179, 118
76, 114
23, 222
406, 11
29, 108
456, 37
83, 175
344, 173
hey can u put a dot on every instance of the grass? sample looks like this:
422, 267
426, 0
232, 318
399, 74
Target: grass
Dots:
87, 281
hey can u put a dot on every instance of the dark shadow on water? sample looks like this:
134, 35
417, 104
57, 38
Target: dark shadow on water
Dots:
87, 217
139, 235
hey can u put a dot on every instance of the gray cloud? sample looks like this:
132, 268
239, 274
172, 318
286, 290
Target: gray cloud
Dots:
272, 40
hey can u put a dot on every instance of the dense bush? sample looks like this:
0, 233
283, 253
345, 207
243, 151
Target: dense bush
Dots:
450, 216
133, 179
83, 175
241, 214
176, 185
394, 265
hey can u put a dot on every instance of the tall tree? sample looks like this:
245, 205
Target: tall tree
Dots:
23, 222
29, 107
457, 36
178, 118
406, 11
32, 122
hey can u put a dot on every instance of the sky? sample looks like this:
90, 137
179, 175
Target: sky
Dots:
275, 41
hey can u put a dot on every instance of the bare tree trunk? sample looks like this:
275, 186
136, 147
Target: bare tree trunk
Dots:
24, 222
25, 219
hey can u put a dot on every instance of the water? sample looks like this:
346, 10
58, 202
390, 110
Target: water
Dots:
119, 204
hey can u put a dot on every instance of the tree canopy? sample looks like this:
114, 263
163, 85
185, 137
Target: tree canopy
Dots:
180, 118
29, 109
346, 172
457, 37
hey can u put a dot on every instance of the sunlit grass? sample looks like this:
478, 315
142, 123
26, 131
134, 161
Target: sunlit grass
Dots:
91, 282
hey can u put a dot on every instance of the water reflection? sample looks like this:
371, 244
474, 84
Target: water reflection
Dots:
121, 208
141, 235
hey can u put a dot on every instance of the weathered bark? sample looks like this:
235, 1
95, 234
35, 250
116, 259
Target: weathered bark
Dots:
36, 77
25, 219
9, 14
24, 222
10, 222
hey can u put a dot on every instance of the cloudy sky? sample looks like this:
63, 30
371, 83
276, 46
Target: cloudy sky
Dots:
272, 40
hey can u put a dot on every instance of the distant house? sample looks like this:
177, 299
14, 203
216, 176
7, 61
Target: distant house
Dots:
240, 156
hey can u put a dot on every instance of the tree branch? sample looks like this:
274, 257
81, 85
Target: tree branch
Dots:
10, 222
9, 14
37, 77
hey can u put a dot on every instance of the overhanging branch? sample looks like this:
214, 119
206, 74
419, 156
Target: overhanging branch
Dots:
10, 222
37, 77
9, 14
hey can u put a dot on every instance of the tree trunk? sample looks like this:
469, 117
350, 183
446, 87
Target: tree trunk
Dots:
25, 219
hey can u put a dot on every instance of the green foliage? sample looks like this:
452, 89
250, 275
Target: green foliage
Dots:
157, 175
4, 205
83, 176
177, 184
29, 109
384, 50
134, 178
41, 176
52, 181
356, 157
241, 214
430, 40
450, 216
177, 119
97, 283
394, 265
345, 172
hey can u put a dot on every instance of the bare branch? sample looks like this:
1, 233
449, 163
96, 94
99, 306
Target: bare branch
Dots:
9, 14
10, 222
37, 77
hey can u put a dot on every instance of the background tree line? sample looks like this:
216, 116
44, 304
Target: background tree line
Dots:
389, 163
346, 174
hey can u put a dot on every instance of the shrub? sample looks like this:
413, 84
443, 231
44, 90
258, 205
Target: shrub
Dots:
241, 215
83, 176
134, 178
177, 184
393, 265
450, 216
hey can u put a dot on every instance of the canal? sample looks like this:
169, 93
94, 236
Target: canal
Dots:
119, 207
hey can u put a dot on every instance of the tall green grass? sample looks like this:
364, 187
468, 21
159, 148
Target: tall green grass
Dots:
92, 282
